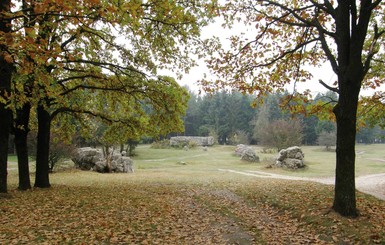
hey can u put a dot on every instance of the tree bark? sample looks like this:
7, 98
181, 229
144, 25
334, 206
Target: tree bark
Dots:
108, 157
42, 154
21, 134
351, 36
5, 88
5, 126
346, 117
345, 193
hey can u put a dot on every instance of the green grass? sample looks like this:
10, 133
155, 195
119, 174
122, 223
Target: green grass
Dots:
320, 163
12, 158
370, 159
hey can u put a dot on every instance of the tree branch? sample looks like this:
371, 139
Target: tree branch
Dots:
82, 111
329, 87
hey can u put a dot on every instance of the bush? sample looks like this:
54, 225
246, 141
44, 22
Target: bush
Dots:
267, 150
163, 144
281, 134
327, 139
185, 144
192, 144
239, 137
58, 149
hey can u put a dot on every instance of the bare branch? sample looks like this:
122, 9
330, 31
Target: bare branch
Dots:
292, 11
375, 4
329, 87
372, 50
283, 54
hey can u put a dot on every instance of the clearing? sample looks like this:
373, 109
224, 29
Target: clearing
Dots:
164, 202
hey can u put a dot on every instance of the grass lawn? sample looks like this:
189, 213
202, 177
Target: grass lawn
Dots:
12, 158
169, 202
320, 163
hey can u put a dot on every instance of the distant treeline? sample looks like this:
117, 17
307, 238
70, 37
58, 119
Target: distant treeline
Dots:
230, 118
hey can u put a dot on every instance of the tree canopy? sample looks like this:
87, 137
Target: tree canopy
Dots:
291, 36
96, 58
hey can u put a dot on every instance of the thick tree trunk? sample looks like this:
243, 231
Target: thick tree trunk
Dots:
5, 88
5, 125
21, 133
346, 115
42, 154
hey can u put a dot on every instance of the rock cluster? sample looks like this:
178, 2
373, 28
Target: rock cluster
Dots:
292, 158
88, 158
184, 140
246, 153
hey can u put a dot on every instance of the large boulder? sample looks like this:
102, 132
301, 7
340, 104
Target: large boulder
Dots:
86, 157
239, 149
292, 158
92, 159
246, 153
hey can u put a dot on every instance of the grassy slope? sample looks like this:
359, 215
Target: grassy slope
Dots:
164, 202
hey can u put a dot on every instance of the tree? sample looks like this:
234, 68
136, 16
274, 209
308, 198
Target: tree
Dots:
239, 137
60, 149
309, 130
261, 124
21, 130
193, 119
281, 134
6, 70
327, 139
293, 35
68, 48
370, 135
268, 111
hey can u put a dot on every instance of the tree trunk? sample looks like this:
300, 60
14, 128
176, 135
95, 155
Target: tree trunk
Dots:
5, 125
42, 154
21, 133
5, 88
346, 115
108, 157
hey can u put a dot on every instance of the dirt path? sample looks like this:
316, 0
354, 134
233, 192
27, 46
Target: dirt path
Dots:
371, 184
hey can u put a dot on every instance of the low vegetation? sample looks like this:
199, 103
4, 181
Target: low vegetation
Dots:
165, 202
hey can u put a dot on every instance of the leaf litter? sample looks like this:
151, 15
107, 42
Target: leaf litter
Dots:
175, 212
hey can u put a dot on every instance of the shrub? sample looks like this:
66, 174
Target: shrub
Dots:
239, 137
281, 134
163, 144
58, 149
327, 139
192, 144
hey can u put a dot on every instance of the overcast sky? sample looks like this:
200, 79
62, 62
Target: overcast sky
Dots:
324, 73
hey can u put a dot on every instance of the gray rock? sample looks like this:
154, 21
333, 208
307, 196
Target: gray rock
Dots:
85, 158
240, 149
92, 159
292, 158
246, 153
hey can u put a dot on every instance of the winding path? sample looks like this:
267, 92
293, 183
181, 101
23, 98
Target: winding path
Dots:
373, 184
